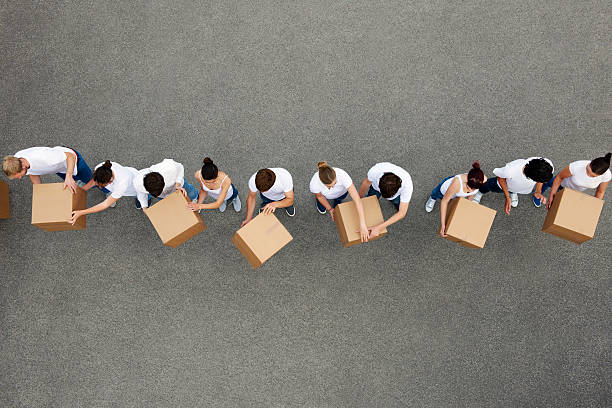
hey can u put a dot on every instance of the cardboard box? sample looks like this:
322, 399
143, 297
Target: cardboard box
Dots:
261, 238
468, 223
173, 221
5, 207
52, 207
347, 219
573, 216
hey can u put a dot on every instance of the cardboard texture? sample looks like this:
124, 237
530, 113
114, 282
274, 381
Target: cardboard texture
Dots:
173, 221
5, 207
347, 219
468, 223
261, 238
52, 207
573, 216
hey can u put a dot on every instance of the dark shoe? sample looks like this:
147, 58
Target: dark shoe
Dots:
290, 211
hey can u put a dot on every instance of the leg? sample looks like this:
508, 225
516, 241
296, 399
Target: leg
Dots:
372, 192
192, 192
490, 185
396, 202
320, 207
264, 201
234, 195
338, 200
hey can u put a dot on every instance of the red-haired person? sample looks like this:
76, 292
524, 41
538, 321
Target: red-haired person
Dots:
461, 185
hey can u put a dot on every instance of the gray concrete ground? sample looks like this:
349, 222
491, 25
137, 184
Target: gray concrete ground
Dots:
110, 317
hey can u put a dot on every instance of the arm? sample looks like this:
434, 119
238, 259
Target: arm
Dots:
211, 206
365, 186
321, 198
452, 190
180, 174
401, 213
96, 208
35, 179
504, 186
251, 201
363, 228
565, 173
538, 193
89, 185
601, 190
285, 202
70, 163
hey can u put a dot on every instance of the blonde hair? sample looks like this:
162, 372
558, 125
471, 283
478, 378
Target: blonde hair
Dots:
11, 165
327, 174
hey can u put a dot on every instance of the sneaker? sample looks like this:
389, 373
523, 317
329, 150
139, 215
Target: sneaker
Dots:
237, 204
319, 209
514, 200
113, 205
290, 211
536, 201
137, 204
429, 205
222, 206
80, 183
477, 197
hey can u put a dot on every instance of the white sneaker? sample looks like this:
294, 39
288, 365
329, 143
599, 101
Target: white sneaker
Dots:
237, 204
477, 197
514, 200
222, 206
429, 205
113, 205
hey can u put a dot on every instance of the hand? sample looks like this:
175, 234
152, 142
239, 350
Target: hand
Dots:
245, 222
69, 183
269, 208
550, 201
193, 206
331, 212
374, 232
508, 205
182, 190
443, 231
363, 233
540, 197
74, 217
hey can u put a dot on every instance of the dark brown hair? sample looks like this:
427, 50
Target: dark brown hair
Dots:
103, 174
209, 169
327, 174
601, 164
264, 180
475, 176
154, 183
389, 184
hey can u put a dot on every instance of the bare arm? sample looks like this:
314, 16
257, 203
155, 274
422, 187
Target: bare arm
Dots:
504, 186
285, 202
601, 190
321, 198
220, 199
452, 190
251, 201
96, 208
565, 173
365, 186
35, 179
363, 228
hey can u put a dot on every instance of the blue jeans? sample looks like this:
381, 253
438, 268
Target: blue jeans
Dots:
334, 202
436, 193
234, 195
84, 173
265, 201
490, 185
192, 192
549, 184
395, 201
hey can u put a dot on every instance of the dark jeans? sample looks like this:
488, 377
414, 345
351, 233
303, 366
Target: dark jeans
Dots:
234, 195
334, 202
549, 184
265, 201
436, 193
490, 185
84, 173
395, 201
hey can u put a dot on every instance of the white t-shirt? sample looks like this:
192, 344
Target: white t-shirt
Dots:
378, 170
46, 160
123, 183
515, 178
343, 182
282, 184
580, 180
172, 172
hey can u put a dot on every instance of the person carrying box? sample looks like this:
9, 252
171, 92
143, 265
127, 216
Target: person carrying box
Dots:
275, 187
160, 180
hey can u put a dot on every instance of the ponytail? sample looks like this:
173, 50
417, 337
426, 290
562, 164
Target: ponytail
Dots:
327, 174
209, 169
601, 164
475, 176
103, 174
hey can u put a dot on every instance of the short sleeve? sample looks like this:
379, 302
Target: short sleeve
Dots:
252, 185
373, 174
287, 182
607, 176
406, 193
343, 178
503, 172
573, 168
315, 187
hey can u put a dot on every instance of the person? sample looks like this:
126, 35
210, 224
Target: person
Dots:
582, 175
275, 187
67, 163
461, 185
218, 185
333, 183
519, 177
117, 179
394, 184
161, 180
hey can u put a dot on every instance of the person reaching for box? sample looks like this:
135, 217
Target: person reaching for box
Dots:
275, 187
461, 185
161, 180
391, 182
218, 185
333, 183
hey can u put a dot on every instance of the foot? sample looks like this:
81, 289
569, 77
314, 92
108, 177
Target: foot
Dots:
429, 205
513, 200
319, 208
536, 201
113, 205
137, 204
477, 197
222, 206
237, 204
290, 210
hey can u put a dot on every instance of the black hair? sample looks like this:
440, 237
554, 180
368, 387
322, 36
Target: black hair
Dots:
209, 169
538, 170
388, 184
103, 174
154, 183
601, 164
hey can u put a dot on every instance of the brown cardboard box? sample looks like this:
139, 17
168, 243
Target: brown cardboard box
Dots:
5, 207
261, 238
573, 216
347, 219
173, 221
468, 223
52, 207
